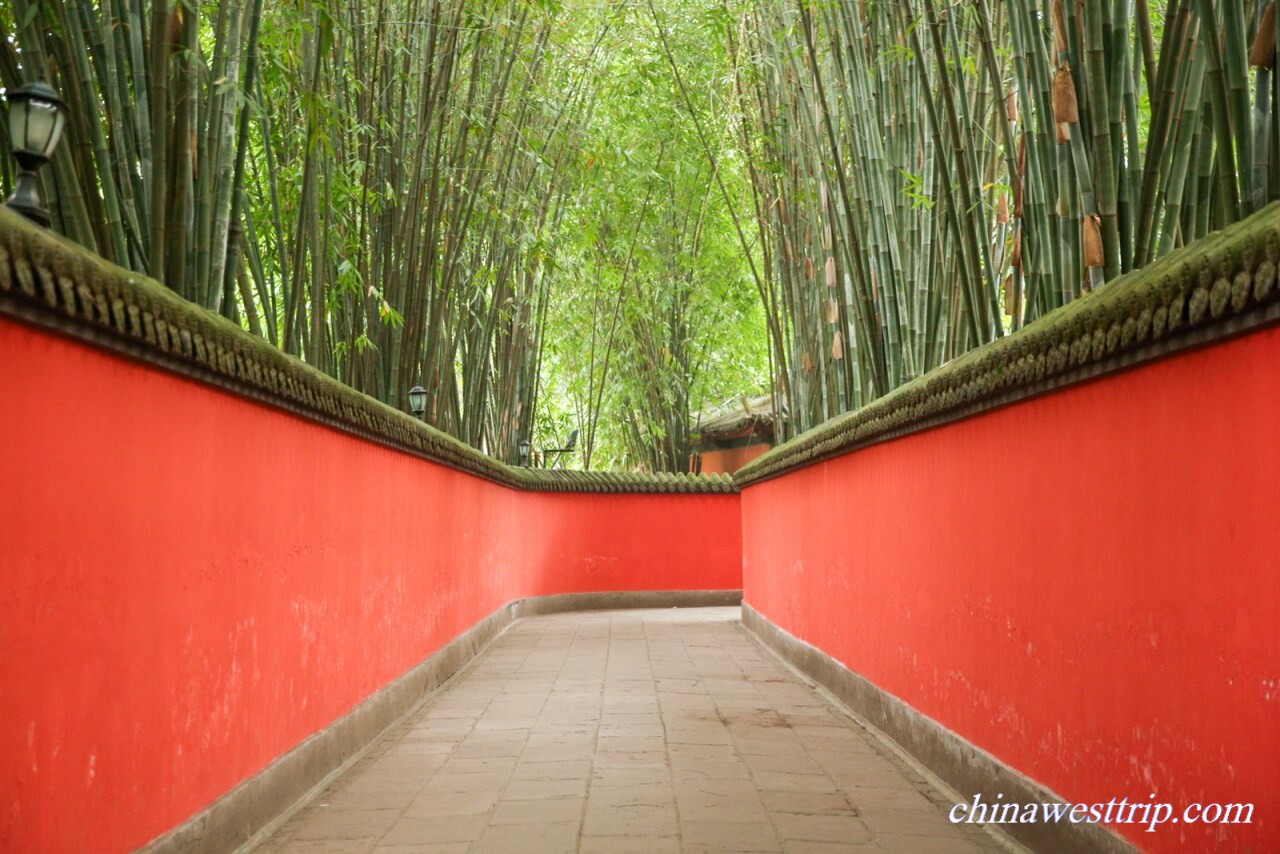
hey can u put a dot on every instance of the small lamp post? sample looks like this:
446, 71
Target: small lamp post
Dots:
418, 401
36, 118
524, 452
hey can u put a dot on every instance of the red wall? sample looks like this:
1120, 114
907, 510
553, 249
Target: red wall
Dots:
1086, 585
193, 583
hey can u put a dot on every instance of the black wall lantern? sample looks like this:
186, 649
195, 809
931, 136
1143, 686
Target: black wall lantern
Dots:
36, 118
418, 401
524, 452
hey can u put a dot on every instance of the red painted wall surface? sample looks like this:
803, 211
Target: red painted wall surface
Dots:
192, 583
1086, 585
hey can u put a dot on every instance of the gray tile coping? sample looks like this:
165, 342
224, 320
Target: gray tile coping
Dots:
637, 730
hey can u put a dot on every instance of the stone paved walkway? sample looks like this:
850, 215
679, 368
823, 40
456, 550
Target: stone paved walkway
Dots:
620, 731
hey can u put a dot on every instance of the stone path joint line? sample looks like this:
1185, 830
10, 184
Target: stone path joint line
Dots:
628, 731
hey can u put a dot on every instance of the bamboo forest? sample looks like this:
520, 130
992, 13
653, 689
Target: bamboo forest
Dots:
608, 216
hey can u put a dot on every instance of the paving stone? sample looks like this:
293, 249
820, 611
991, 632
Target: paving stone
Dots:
339, 824
630, 786
778, 745
544, 838
368, 795
626, 720
781, 781
876, 798
801, 846
637, 777
923, 820
629, 845
426, 830
913, 844
420, 745
729, 834
442, 803
713, 769
631, 820
534, 812
821, 828
609, 733
688, 788
638, 759
630, 744
553, 752
535, 790
709, 736
489, 750
807, 803
694, 754
628, 731
576, 769
455, 715
572, 742
398, 772
479, 781
462, 764
445, 732
782, 763
326, 846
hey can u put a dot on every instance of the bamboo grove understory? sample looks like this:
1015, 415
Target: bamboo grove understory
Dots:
607, 216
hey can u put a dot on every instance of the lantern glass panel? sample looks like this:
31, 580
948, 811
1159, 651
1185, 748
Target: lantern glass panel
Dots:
47, 122
418, 399
35, 125
17, 125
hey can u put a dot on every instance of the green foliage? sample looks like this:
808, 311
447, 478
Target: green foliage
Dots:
653, 315
607, 216
930, 175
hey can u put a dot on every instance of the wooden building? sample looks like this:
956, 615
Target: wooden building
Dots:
729, 436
